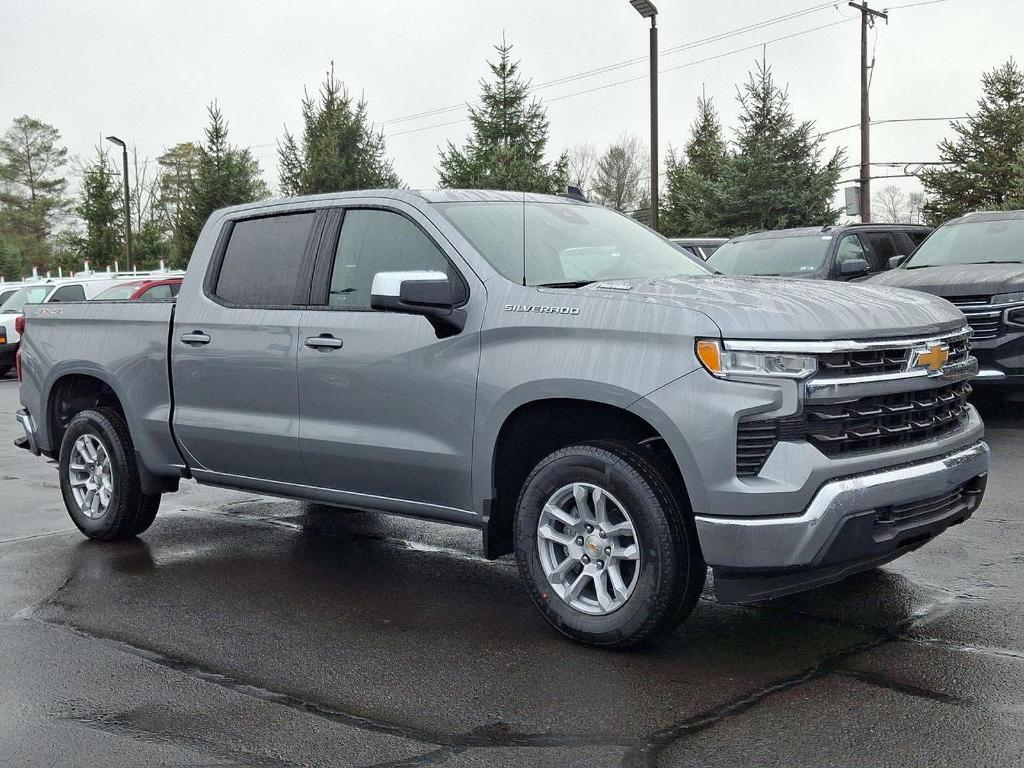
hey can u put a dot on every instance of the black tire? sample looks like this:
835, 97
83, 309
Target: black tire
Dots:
671, 572
130, 511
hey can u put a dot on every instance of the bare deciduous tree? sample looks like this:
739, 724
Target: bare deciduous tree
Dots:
582, 163
893, 206
621, 173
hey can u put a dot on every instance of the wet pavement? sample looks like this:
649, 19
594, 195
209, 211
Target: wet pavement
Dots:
242, 630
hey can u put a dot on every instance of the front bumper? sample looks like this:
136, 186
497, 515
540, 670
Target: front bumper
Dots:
851, 524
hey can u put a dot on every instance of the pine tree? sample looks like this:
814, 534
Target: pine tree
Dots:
101, 210
339, 149
985, 159
508, 140
776, 178
32, 185
225, 175
693, 181
179, 169
13, 265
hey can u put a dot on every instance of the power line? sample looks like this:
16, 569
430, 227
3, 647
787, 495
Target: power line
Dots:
631, 62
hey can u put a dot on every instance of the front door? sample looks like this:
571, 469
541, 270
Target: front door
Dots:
386, 407
234, 350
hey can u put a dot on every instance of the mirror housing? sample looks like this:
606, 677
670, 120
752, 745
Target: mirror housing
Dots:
433, 295
854, 268
897, 261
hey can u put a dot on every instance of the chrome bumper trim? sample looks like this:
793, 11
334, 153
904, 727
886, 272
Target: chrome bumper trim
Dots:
29, 426
989, 374
785, 542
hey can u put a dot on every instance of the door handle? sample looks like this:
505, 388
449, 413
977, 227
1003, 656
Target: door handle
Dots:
195, 339
324, 342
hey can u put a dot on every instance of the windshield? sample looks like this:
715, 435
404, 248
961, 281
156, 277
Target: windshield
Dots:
5, 295
972, 242
771, 256
123, 291
33, 294
565, 243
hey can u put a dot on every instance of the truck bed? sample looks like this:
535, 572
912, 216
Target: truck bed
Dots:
124, 344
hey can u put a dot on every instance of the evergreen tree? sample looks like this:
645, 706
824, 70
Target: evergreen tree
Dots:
985, 159
225, 175
100, 209
179, 170
776, 178
32, 185
12, 265
693, 181
510, 134
339, 149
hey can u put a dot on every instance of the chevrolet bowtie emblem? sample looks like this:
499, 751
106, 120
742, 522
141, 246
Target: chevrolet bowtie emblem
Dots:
932, 358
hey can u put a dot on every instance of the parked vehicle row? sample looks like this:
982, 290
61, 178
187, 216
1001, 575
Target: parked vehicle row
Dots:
546, 370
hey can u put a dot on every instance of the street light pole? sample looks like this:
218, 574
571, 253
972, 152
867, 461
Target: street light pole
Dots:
647, 10
127, 201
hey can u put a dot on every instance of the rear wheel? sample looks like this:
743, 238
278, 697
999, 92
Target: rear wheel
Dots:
99, 478
609, 555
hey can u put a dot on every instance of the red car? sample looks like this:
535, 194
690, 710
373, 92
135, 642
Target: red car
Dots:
142, 290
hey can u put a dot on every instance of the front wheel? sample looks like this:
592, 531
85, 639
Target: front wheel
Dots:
609, 555
99, 478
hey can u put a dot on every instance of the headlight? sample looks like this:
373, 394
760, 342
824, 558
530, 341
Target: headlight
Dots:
731, 363
1008, 298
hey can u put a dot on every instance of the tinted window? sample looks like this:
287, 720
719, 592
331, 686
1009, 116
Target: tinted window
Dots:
262, 264
378, 241
157, 293
68, 293
882, 248
772, 256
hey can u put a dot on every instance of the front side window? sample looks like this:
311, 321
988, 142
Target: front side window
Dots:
373, 241
850, 249
118, 292
157, 293
552, 243
772, 256
262, 264
883, 248
972, 242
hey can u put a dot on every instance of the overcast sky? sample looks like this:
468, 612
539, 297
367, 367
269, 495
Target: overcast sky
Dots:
145, 71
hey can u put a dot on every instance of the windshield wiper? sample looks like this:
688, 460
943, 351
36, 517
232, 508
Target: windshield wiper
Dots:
1000, 261
567, 284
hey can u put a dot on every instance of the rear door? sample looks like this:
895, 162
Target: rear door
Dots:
234, 350
387, 413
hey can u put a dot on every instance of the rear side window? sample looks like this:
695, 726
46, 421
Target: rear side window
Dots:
375, 241
262, 264
68, 293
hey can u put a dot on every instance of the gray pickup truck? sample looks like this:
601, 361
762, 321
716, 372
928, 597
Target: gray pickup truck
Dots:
548, 371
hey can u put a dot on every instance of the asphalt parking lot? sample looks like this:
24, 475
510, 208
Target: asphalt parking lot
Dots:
241, 630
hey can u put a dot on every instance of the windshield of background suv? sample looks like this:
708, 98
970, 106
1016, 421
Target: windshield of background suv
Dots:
118, 292
972, 242
31, 295
565, 243
771, 256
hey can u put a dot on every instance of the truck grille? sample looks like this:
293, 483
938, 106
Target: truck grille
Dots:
873, 362
872, 423
984, 321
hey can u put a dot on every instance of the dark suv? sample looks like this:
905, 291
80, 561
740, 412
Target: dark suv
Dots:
977, 263
842, 252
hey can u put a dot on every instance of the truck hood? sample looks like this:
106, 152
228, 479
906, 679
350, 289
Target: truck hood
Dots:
957, 279
786, 308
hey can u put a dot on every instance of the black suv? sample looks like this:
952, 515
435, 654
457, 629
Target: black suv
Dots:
842, 252
977, 263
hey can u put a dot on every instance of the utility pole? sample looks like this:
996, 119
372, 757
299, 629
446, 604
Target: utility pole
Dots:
867, 19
